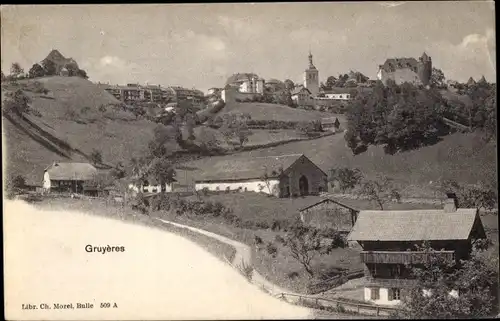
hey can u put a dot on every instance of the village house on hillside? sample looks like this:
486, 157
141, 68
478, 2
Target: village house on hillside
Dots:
406, 70
281, 176
68, 177
388, 239
329, 213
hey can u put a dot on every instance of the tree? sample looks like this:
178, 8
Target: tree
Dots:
475, 281
336, 123
16, 103
437, 78
330, 82
345, 177
3, 76
50, 67
190, 123
72, 69
14, 184
82, 73
399, 118
36, 71
96, 157
16, 70
289, 85
234, 127
162, 171
379, 191
478, 196
305, 243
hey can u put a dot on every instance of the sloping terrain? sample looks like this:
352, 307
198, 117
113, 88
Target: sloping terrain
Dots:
67, 124
263, 111
461, 157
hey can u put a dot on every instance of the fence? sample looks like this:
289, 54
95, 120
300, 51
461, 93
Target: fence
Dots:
335, 281
338, 305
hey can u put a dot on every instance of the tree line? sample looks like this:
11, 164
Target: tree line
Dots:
46, 68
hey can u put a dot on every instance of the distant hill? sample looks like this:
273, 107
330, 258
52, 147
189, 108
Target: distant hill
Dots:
75, 117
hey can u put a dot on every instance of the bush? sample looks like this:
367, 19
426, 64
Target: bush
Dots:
262, 225
36, 113
258, 240
292, 275
271, 249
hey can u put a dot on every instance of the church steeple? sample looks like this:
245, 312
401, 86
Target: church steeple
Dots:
311, 65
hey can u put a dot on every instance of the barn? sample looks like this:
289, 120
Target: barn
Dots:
281, 176
68, 177
329, 213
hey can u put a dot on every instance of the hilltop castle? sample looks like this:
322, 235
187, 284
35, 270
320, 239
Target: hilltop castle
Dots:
406, 70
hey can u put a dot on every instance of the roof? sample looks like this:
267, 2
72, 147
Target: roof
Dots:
240, 168
392, 64
327, 200
273, 81
298, 90
71, 171
337, 90
414, 225
240, 77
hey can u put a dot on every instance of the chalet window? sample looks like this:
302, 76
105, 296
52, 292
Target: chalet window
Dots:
373, 270
375, 294
395, 270
395, 294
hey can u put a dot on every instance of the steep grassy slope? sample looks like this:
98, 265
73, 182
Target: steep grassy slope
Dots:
263, 111
69, 126
459, 156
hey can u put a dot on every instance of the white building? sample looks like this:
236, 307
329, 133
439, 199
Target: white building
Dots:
281, 176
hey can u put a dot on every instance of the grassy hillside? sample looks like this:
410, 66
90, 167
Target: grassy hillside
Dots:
67, 124
459, 156
263, 111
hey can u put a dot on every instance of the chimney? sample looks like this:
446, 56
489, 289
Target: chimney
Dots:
451, 203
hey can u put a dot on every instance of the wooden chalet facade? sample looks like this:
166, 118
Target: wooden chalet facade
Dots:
389, 240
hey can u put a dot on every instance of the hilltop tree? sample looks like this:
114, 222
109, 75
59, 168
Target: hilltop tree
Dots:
483, 111
50, 67
330, 82
16, 103
399, 118
16, 70
72, 69
82, 73
96, 157
437, 78
289, 85
475, 280
36, 71
380, 191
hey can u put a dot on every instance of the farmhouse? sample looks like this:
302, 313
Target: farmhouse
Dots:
68, 177
389, 240
281, 176
329, 213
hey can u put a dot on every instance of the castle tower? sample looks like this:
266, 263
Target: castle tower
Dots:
424, 69
311, 77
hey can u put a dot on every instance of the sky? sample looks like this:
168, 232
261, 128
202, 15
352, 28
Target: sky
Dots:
201, 45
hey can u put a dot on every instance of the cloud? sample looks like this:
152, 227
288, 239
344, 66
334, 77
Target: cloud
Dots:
112, 61
240, 27
473, 56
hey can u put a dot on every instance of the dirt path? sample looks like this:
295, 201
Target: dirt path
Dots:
242, 257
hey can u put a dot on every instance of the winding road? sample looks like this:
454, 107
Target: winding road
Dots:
242, 257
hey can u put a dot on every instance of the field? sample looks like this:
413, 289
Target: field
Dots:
458, 156
257, 137
69, 119
278, 266
263, 111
